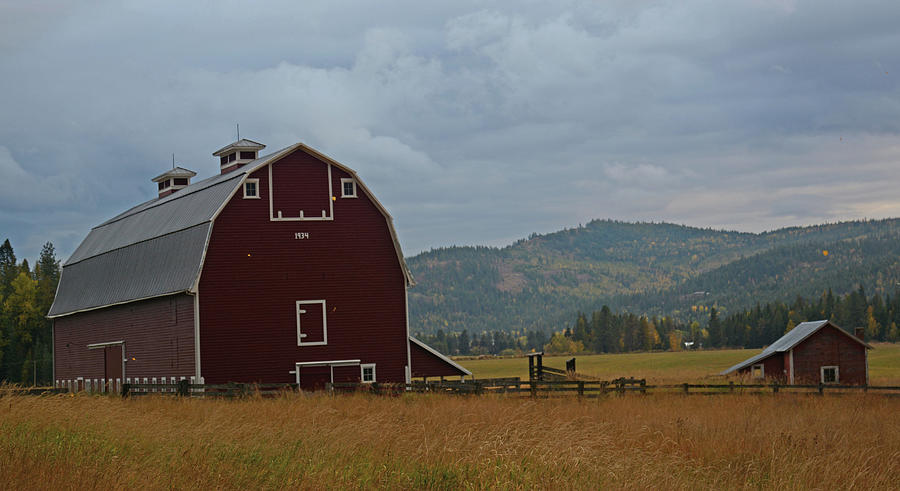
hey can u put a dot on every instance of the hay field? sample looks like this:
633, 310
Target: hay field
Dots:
451, 442
670, 367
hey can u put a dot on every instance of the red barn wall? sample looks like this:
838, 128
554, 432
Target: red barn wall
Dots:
255, 270
158, 334
425, 364
828, 347
773, 368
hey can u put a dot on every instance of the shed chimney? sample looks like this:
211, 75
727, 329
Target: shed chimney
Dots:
860, 333
237, 154
173, 180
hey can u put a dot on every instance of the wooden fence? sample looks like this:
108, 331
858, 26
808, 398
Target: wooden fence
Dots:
510, 386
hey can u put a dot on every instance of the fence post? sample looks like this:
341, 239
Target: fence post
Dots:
821, 388
775, 388
580, 388
183, 388
126, 390
685, 386
643, 386
533, 386
731, 386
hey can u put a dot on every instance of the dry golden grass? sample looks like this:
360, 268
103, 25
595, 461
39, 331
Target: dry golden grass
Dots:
451, 442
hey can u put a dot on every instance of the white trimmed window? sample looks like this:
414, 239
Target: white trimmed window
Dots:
829, 375
348, 188
251, 189
367, 373
758, 371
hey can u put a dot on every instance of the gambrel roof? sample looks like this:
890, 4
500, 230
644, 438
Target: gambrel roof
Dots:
157, 247
791, 339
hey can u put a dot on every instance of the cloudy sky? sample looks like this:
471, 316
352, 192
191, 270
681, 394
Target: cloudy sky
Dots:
474, 122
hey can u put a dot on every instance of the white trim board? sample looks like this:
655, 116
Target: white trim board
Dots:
299, 311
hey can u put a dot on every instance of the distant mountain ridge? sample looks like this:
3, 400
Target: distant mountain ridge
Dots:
652, 268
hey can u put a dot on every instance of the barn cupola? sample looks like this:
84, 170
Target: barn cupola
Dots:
173, 180
237, 154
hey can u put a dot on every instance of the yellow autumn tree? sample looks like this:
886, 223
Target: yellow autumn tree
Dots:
560, 345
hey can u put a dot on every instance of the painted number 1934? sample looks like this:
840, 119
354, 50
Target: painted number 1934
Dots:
301, 235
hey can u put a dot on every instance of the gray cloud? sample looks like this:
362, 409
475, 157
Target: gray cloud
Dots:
473, 122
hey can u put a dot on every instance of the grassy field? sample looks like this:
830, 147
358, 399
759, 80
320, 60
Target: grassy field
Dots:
451, 442
670, 367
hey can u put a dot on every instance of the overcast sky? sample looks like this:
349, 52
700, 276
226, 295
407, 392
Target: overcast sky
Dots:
474, 122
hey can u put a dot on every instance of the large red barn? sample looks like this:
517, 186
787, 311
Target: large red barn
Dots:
283, 268
811, 353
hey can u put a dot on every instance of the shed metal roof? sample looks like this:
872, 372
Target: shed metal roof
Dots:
787, 342
156, 248
159, 266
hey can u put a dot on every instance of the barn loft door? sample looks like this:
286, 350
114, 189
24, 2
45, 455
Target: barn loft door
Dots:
312, 325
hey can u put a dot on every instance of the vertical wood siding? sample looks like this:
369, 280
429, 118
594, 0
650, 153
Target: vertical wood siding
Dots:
426, 364
158, 334
827, 347
774, 368
302, 184
256, 270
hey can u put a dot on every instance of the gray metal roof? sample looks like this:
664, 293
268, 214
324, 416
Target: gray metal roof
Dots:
152, 249
156, 248
787, 342
153, 221
160, 266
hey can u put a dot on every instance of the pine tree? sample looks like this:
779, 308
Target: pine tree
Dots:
8, 268
715, 329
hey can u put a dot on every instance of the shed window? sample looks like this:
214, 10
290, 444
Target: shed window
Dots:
758, 371
367, 375
348, 188
223, 159
181, 181
830, 375
251, 189
248, 155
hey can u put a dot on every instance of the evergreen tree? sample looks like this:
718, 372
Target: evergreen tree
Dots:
8, 268
716, 339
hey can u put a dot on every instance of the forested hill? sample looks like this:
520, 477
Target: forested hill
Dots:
652, 268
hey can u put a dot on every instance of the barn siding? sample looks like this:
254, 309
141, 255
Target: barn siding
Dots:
829, 347
255, 271
158, 334
773, 368
425, 364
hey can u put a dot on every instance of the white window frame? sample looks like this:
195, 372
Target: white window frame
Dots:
298, 312
837, 374
255, 182
351, 181
762, 371
362, 373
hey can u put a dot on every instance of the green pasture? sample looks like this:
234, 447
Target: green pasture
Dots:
669, 367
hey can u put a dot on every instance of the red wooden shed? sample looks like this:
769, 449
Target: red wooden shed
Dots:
283, 268
811, 353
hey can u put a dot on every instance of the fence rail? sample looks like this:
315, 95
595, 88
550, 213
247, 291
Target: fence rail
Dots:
510, 386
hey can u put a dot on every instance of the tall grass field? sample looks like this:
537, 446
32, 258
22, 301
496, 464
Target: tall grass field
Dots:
422, 441
451, 442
